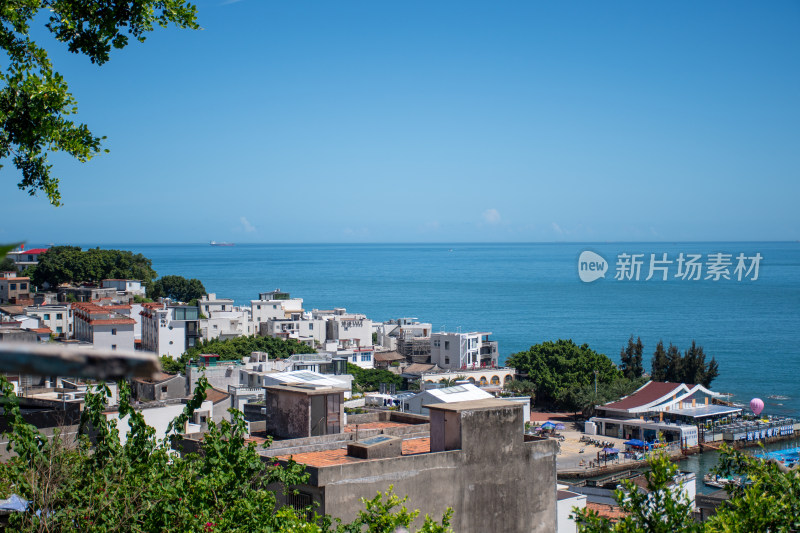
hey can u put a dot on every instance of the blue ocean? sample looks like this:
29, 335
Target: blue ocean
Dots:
528, 293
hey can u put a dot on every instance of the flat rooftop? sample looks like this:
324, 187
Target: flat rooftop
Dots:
339, 456
351, 428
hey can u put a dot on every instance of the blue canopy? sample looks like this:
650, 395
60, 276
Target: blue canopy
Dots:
548, 425
636, 442
610, 450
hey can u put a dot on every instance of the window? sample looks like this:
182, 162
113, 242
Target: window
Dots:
446, 360
164, 388
258, 307
311, 326
355, 358
113, 346
170, 342
215, 326
436, 343
113, 331
223, 307
23, 286
446, 345
274, 306
12, 286
58, 329
366, 357
47, 316
59, 316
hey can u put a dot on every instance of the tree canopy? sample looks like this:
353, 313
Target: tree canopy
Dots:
177, 288
370, 379
631, 359
556, 368
61, 264
35, 101
691, 367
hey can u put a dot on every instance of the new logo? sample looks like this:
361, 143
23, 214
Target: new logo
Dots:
591, 266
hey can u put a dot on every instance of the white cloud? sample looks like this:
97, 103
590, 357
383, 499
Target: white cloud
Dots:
246, 225
491, 216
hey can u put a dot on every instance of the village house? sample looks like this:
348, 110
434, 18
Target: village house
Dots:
102, 327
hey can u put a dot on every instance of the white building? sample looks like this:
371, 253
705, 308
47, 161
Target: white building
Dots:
56, 317
25, 258
463, 350
273, 304
348, 330
295, 325
458, 393
566, 501
226, 324
210, 304
169, 330
102, 327
130, 287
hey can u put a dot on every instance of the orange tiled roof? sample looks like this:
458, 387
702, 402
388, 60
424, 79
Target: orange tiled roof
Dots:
112, 321
609, 511
41, 330
339, 456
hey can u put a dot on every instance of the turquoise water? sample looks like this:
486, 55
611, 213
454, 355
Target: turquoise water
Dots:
529, 293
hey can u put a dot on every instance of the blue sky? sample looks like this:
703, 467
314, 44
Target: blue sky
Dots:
437, 122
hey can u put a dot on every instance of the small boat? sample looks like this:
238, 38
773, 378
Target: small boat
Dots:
720, 482
215, 243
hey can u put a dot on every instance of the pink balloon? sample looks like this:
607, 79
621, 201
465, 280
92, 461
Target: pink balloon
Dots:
757, 405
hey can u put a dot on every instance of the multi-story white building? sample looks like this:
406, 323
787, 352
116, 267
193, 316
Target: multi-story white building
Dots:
169, 329
273, 304
226, 324
347, 330
102, 327
463, 350
209, 304
56, 317
296, 325
25, 258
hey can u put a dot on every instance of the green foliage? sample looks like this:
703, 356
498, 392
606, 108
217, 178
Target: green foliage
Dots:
691, 367
62, 264
769, 501
238, 347
141, 299
171, 366
370, 379
103, 485
35, 101
381, 516
664, 509
585, 399
177, 288
7, 265
631, 359
556, 368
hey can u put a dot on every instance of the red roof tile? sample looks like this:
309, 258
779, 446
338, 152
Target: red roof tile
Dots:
609, 511
651, 392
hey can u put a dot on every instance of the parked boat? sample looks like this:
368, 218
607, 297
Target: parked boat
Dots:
719, 481
215, 243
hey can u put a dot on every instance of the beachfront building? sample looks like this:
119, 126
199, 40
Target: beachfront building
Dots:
58, 318
418, 404
209, 304
672, 409
461, 351
104, 328
14, 288
169, 329
273, 304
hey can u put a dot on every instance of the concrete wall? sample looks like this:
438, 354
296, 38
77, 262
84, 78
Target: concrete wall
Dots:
495, 482
288, 415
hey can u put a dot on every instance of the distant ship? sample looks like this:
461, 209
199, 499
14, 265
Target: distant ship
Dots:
215, 243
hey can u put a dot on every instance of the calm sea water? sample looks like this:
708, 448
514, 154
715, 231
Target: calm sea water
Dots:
528, 293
